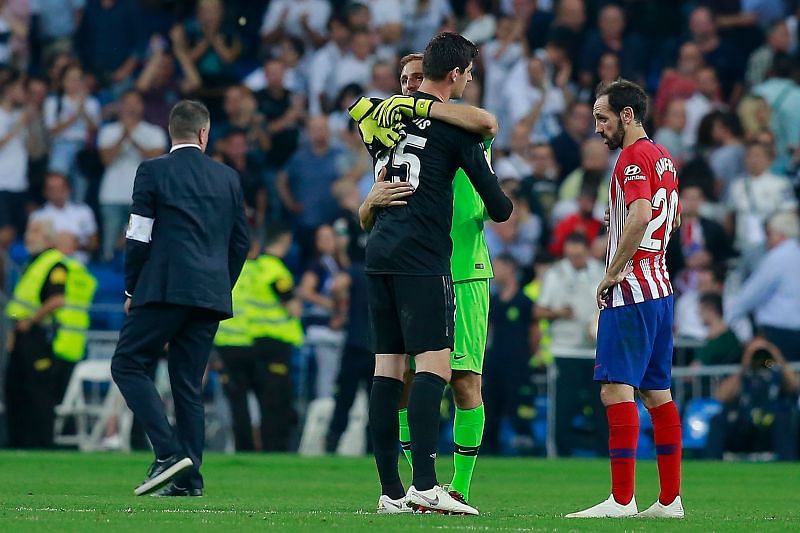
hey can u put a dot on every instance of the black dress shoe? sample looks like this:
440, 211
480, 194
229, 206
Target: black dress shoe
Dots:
174, 490
161, 471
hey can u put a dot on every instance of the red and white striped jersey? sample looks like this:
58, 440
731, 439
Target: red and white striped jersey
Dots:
643, 170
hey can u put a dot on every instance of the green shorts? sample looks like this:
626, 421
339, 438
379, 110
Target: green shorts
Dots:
472, 317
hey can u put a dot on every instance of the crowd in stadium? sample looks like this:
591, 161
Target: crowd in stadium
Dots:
86, 87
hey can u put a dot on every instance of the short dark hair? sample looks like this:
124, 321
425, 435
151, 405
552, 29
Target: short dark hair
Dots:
577, 237
623, 93
508, 259
782, 65
712, 300
730, 121
187, 118
275, 231
445, 52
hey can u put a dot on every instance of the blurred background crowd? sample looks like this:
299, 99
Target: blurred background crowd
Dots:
86, 87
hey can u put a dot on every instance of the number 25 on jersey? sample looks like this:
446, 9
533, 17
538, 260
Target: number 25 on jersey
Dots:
405, 166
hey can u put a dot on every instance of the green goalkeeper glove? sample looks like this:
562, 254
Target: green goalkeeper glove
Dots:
393, 109
360, 111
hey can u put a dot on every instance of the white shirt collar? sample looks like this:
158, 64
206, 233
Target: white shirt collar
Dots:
184, 145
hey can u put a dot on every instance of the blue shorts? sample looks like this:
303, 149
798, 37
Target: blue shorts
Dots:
634, 345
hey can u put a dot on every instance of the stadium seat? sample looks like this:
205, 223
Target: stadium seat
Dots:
696, 422
91, 418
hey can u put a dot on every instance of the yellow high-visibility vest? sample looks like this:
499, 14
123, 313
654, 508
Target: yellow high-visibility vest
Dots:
266, 315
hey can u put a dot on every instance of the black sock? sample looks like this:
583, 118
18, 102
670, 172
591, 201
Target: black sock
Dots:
385, 428
423, 423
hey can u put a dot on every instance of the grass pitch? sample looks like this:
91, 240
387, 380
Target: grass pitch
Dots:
64, 491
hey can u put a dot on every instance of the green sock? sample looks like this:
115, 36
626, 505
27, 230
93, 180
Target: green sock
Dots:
467, 435
405, 434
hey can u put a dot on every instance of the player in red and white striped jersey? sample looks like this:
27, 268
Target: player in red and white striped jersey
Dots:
634, 334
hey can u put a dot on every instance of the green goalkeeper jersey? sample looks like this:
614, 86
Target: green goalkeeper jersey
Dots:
470, 259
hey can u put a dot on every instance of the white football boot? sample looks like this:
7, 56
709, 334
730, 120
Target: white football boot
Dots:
386, 505
659, 510
438, 500
608, 509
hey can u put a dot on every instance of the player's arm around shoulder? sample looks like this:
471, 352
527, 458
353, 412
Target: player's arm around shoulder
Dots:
467, 117
474, 159
382, 194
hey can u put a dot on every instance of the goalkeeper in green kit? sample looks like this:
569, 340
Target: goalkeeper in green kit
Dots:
470, 265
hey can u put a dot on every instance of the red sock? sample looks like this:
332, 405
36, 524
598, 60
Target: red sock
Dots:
623, 434
667, 433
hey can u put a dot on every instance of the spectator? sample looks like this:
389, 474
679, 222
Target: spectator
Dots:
727, 157
688, 320
783, 95
107, 41
423, 19
772, 292
57, 21
610, 37
753, 198
38, 138
699, 243
14, 27
123, 145
356, 66
290, 52
15, 122
568, 294
236, 154
283, 111
72, 116
241, 113
304, 19
210, 45
322, 317
570, 25
720, 55
305, 184
386, 22
513, 335
582, 222
567, 144
679, 83
533, 100
721, 347
536, 21
517, 164
758, 409
779, 41
704, 100
66, 216
383, 82
322, 66
518, 237
159, 82
670, 134
481, 24
500, 56
539, 189
593, 172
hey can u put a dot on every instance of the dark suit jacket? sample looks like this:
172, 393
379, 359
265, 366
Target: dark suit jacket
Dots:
199, 238
717, 244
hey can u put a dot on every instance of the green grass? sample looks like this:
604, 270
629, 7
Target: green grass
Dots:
77, 492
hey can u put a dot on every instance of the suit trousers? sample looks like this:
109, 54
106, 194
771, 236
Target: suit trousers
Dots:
189, 331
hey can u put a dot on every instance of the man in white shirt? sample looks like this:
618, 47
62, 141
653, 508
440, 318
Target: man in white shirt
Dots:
568, 295
66, 216
323, 66
13, 159
532, 98
704, 100
755, 197
356, 67
123, 145
305, 19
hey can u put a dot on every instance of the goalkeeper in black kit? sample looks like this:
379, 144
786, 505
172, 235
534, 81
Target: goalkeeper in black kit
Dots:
411, 297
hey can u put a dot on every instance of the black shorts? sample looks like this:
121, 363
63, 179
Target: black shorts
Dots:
411, 314
12, 210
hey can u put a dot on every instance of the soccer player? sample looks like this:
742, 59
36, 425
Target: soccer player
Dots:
634, 339
471, 270
411, 299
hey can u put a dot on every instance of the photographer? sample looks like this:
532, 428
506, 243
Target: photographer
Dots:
759, 412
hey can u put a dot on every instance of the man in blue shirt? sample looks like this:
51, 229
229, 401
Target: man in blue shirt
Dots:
772, 292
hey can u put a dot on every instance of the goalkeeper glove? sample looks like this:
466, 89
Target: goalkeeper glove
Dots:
393, 109
368, 126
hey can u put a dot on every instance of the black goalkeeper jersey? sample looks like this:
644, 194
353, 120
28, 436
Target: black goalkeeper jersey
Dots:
415, 239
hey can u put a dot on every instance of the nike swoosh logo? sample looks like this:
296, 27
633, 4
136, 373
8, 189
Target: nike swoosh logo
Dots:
395, 505
428, 500
459, 357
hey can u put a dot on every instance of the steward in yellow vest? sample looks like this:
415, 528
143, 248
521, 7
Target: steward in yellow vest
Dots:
257, 347
50, 308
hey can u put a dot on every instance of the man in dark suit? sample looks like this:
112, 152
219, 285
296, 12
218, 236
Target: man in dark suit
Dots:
186, 243
700, 242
